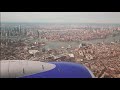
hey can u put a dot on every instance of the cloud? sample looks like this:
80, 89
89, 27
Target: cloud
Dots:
62, 17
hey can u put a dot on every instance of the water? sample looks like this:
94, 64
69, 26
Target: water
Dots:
59, 44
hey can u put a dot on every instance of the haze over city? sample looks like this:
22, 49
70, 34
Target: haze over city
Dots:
61, 17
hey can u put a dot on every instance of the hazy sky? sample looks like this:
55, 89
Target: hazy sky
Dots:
61, 17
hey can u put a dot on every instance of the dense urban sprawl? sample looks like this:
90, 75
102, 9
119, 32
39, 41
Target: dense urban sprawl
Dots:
28, 42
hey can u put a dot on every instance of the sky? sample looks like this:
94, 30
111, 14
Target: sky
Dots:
61, 17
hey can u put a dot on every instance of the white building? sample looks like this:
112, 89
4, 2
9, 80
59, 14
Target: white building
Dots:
71, 55
33, 52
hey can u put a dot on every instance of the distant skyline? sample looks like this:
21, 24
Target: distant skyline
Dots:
61, 17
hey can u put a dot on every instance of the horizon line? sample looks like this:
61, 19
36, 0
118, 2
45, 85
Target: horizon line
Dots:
63, 22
